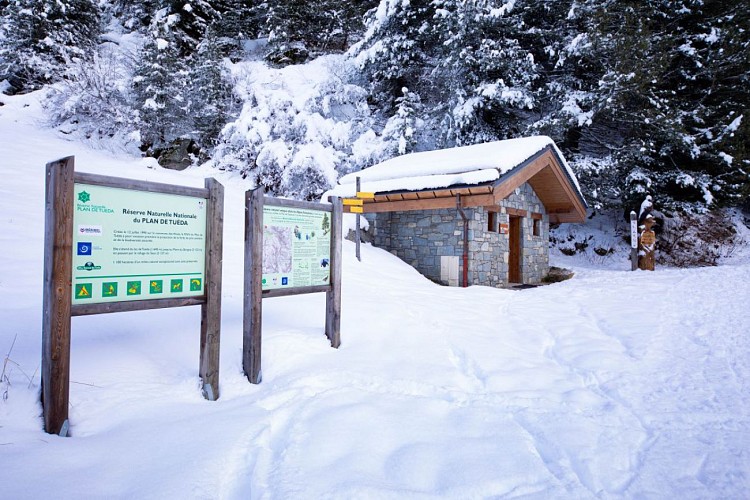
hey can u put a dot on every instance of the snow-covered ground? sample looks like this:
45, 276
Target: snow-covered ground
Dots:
614, 384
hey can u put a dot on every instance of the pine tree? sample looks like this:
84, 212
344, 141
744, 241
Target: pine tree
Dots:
41, 37
395, 49
489, 75
210, 93
160, 91
299, 29
402, 128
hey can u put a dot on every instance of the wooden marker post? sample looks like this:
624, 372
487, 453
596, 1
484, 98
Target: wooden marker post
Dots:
633, 241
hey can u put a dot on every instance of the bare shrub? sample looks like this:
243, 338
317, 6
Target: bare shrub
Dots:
696, 239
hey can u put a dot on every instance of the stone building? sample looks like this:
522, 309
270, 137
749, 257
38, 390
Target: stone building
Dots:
474, 215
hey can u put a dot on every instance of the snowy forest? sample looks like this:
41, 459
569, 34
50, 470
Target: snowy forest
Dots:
642, 97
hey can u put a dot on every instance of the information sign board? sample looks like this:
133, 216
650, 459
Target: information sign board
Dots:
131, 245
296, 247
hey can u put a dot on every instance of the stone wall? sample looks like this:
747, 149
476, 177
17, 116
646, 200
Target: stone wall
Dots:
420, 238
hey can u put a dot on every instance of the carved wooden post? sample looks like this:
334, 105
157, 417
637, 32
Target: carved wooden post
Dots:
647, 245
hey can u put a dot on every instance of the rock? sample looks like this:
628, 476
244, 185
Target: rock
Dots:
178, 155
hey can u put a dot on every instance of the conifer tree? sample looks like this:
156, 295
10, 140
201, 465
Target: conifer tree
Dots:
402, 128
41, 37
210, 93
160, 91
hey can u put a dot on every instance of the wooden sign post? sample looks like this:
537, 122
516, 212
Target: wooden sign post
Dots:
116, 245
356, 206
291, 248
357, 236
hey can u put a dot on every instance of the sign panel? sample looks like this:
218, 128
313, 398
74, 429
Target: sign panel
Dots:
633, 233
296, 247
365, 194
136, 245
648, 238
352, 202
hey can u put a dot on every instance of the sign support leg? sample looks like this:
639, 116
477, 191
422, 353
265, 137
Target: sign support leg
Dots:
211, 309
333, 296
58, 271
253, 300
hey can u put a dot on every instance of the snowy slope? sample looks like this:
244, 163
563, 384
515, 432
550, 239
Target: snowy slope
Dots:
611, 385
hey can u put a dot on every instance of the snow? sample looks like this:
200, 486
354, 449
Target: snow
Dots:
444, 167
727, 158
614, 384
735, 124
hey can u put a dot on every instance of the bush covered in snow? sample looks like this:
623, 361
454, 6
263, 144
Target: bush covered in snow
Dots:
300, 128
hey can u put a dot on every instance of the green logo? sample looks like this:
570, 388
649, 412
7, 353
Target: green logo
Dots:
83, 197
155, 286
83, 291
134, 287
195, 285
109, 289
175, 286
88, 266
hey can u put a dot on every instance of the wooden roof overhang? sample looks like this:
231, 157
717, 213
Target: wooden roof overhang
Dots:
543, 171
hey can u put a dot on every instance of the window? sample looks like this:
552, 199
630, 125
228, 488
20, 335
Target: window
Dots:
492, 222
537, 227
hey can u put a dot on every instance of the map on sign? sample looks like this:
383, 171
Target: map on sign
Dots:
136, 245
296, 247
277, 250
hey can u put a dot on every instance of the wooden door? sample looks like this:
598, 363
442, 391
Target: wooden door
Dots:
514, 244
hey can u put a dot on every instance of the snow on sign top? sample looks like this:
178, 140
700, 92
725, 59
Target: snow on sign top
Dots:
446, 167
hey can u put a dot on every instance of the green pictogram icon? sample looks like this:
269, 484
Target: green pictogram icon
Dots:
155, 286
109, 289
134, 287
83, 197
175, 286
83, 291
195, 285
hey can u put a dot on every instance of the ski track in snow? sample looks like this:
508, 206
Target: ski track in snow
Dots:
610, 385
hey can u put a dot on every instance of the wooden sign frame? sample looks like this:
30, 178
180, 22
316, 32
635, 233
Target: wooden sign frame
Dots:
58, 269
254, 293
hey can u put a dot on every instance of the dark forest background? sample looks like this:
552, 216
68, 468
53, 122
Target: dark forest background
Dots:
642, 97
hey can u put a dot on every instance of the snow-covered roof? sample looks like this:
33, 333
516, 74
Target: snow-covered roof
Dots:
467, 165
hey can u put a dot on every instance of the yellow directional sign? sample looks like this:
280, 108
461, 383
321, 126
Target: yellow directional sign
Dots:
352, 202
356, 210
365, 195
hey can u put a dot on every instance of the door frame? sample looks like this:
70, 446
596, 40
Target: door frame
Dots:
515, 250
